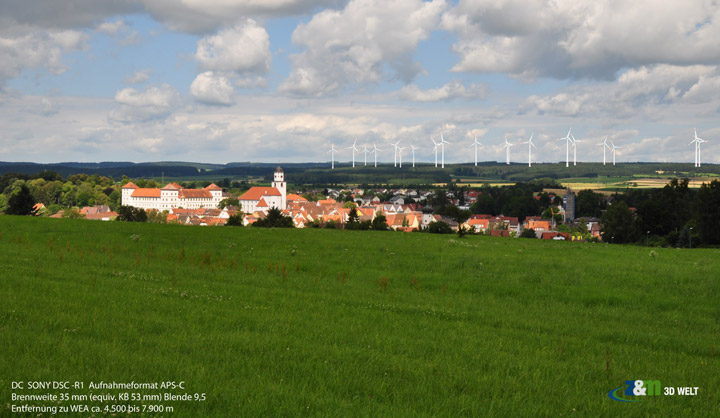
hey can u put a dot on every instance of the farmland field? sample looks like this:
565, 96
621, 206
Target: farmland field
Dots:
353, 323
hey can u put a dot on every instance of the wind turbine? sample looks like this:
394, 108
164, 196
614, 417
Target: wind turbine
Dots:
507, 146
332, 156
412, 149
375, 151
396, 150
574, 145
612, 149
605, 146
475, 144
698, 150
567, 147
400, 155
442, 145
353, 148
365, 150
530, 147
435, 148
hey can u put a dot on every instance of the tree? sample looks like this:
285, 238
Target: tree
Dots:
3, 203
275, 219
131, 214
528, 233
439, 227
707, 212
617, 223
228, 201
589, 203
235, 220
380, 222
21, 202
353, 220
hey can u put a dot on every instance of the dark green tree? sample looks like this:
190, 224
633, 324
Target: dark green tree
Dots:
21, 202
131, 214
589, 204
235, 220
617, 223
707, 212
275, 219
439, 227
528, 233
380, 222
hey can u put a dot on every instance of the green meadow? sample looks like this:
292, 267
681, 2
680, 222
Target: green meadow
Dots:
328, 323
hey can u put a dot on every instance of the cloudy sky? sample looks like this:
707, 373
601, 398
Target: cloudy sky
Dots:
280, 80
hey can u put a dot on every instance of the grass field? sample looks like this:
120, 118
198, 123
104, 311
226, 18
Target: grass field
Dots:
350, 323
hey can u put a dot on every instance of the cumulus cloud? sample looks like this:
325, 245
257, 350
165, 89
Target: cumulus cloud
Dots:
452, 90
567, 39
210, 88
142, 106
354, 44
243, 48
138, 77
37, 49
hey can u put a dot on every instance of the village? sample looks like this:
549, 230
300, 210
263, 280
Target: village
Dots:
403, 209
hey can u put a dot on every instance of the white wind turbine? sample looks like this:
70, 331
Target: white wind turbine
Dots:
530, 147
435, 148
332, 155
365, 150
574, 145
442, 145
613, 147
507, 146
353, 148
375, 151
605, 146
400, 155
475, 144
567, 147
698, 150
396, 150
412, 150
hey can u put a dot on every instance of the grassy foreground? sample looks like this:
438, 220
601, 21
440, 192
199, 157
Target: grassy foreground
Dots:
344, 323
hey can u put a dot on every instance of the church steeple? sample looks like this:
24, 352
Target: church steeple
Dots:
279, 183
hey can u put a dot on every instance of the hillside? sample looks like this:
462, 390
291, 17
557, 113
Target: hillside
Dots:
344, 323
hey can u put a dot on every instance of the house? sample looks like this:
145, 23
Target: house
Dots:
538, 224
556, 236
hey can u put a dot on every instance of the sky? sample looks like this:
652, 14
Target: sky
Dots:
282, 80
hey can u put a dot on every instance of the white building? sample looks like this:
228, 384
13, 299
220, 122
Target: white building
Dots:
171, 196
264, 198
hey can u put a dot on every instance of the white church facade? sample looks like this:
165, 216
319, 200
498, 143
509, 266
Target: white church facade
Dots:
263, 198
172, 196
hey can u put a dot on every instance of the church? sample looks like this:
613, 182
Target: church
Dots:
263, 198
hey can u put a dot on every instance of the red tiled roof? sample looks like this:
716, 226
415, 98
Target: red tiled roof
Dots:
296, 198
194, 194
101, 215
172, 186
213, 186
262, 203
256, 193
130, 185
146, 193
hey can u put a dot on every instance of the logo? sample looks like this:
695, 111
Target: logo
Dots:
636, 390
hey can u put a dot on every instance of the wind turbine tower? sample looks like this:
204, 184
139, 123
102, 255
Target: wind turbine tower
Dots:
613, 147
567, 147
396, 151
412, 150
365, 150
332, 156
400, 155
475, 144
530, 147
375, 151
353, 148
442, 145
605, 146
435, 148
507, 146
698, 150
574, 145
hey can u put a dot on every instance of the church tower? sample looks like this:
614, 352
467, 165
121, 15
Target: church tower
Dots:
279, 183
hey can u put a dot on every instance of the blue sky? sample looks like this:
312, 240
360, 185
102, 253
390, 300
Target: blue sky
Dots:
282, 80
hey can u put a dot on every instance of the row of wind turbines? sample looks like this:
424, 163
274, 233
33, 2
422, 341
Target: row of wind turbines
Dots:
570, 142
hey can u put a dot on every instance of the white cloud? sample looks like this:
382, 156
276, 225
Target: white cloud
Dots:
37, 49
452, 90
112, 28
582, 39
243, 48
151, 104
48, 108
354, 44
138, 77
214, 89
